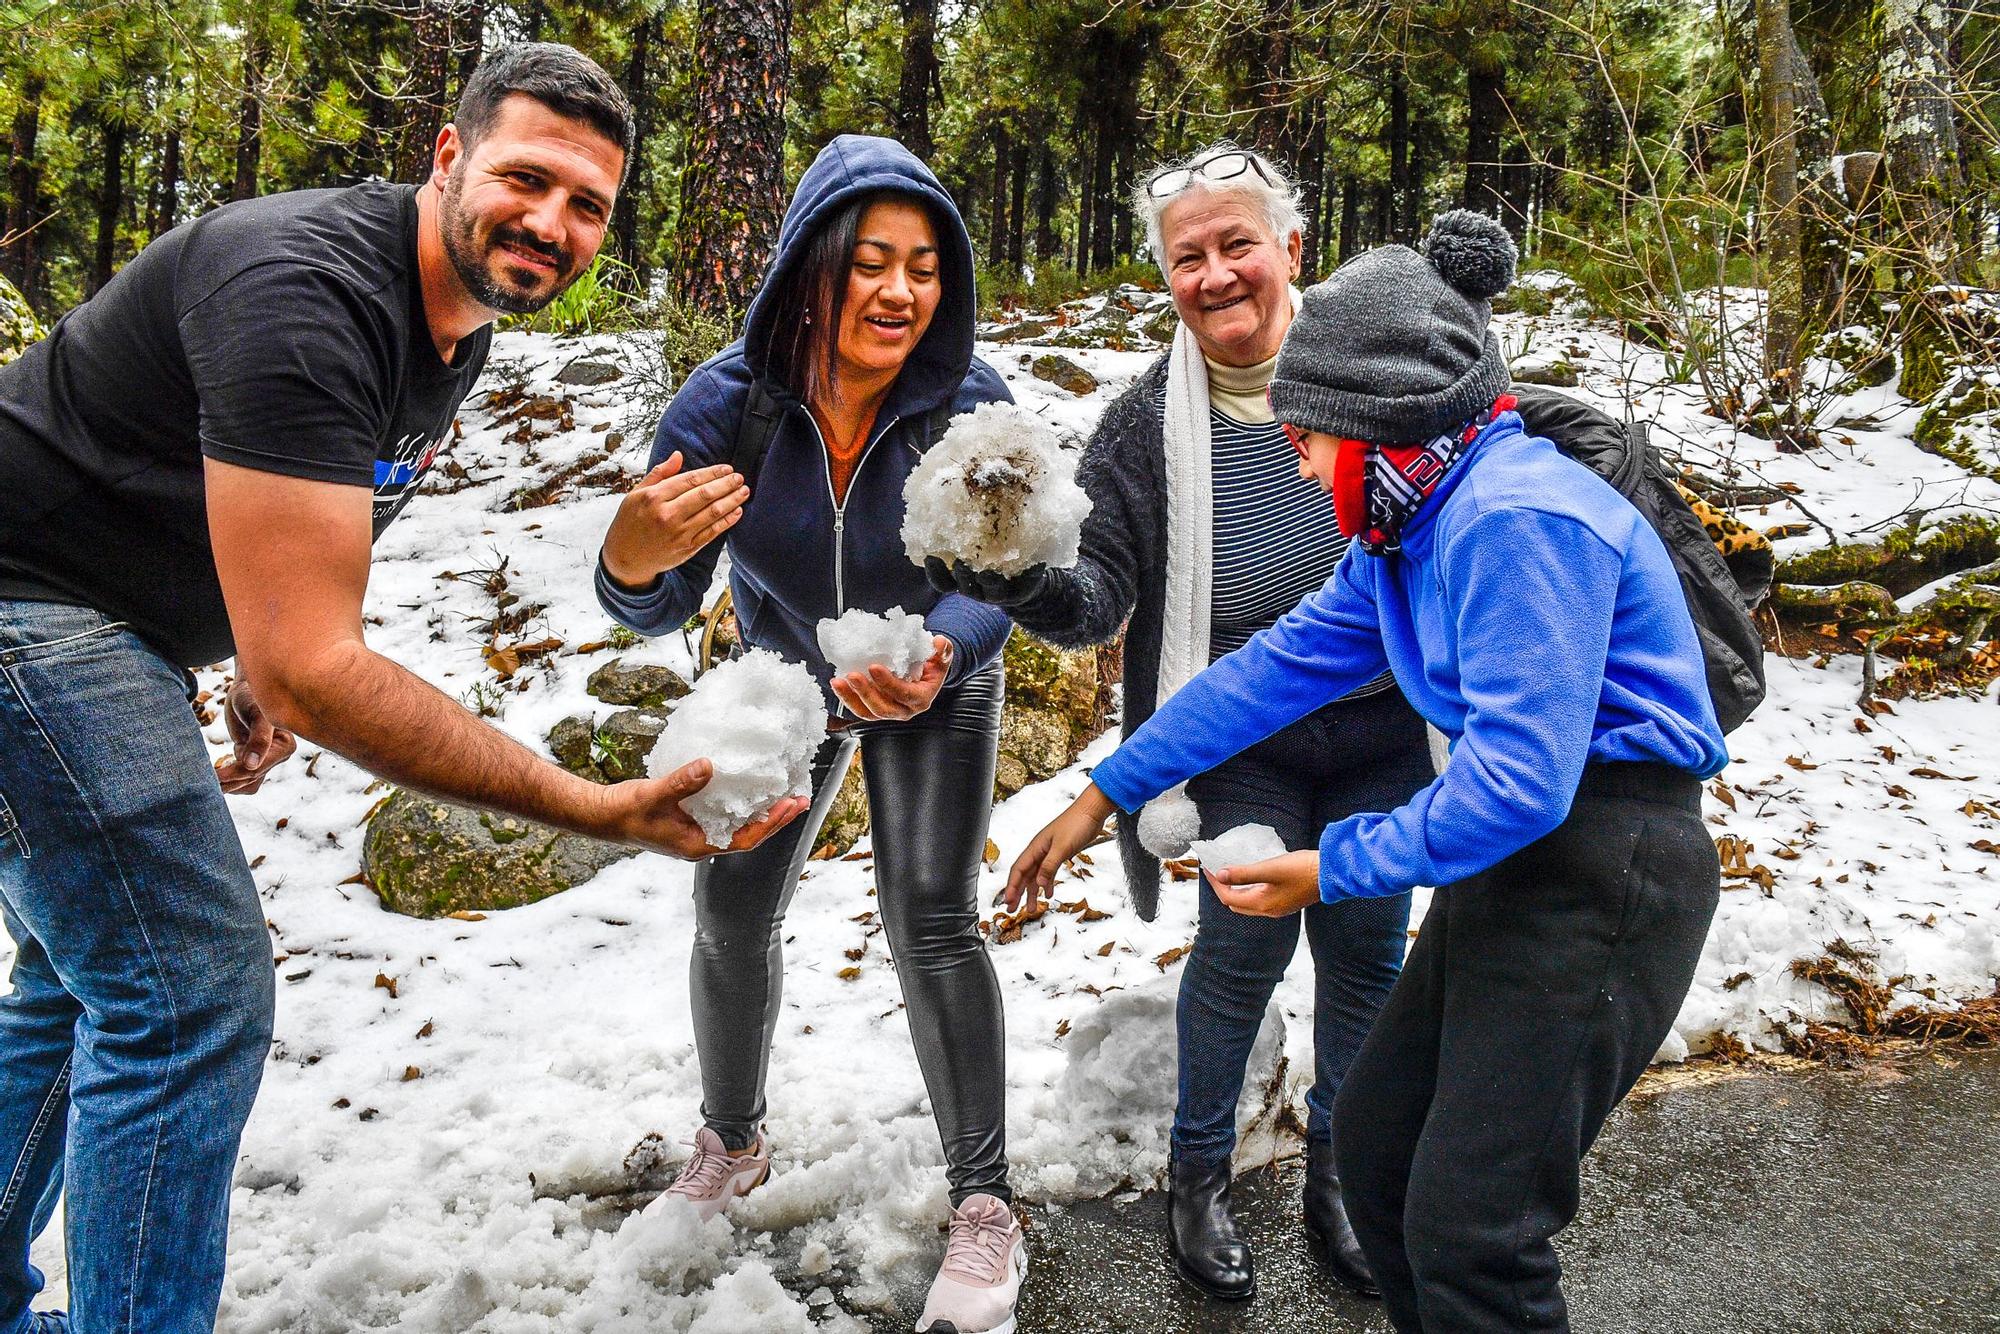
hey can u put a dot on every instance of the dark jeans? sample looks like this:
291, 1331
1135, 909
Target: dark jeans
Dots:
1535, 995
134, 1037
1367, 754
930, 793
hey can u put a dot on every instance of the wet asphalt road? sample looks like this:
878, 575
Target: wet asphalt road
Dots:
1856, 1202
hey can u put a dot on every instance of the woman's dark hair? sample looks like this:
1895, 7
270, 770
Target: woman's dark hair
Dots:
805, 323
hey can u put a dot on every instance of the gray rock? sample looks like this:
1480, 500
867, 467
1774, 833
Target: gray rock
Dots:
1063, 373
1558, 373
430, 858
570, 741
584, 373
638, 687
626, 740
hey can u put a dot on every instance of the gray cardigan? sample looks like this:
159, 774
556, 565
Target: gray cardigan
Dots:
1121, 571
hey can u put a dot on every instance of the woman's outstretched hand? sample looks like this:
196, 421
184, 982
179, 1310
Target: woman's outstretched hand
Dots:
1034, 872
1275, 888
669, 516
878, 695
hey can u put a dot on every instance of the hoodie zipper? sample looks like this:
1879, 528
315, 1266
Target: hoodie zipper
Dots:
840, 506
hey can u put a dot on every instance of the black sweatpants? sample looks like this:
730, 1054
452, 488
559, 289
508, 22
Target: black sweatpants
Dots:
1534, 996
930, 792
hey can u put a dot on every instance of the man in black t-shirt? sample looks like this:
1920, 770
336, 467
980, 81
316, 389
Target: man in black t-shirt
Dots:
194, 463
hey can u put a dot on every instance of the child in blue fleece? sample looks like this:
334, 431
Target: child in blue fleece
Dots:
1531, 614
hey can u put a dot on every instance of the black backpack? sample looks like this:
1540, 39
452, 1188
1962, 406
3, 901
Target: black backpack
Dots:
1721, 593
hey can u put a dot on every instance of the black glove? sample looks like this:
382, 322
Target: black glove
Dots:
1001, 590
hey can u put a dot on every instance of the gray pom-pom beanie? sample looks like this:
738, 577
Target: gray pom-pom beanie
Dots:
1394, 346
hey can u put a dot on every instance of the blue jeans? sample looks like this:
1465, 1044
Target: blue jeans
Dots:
140, 1017
1367, 754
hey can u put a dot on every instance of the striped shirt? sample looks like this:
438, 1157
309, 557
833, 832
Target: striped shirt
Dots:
1275, 536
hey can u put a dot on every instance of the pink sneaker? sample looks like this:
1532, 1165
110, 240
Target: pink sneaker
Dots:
984, 1263
711, 1178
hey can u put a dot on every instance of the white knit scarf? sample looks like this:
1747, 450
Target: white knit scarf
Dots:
1169, 822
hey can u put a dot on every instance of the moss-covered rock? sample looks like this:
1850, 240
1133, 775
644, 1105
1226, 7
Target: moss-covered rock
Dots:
430, 858
1058, 700
847, 820
18, 326
570, 742
625, 742
639, 687
1063, 373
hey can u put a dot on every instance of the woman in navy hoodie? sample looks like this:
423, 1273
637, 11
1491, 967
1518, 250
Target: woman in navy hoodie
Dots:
1531, 614
860, 341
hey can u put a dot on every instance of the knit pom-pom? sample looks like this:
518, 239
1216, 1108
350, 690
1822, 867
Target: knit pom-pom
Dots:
1169, 823
1472, 252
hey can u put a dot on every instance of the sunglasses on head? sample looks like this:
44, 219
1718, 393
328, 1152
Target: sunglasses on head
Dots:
1221, 167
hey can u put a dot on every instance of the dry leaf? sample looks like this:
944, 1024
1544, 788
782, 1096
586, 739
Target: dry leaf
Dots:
1925, 771
992, 854
825, 852
849, 974
1185, 869
411, 1072
1900, 793
387, 983
428, 1029
1988, 845
1172, 956
856, 954
857, 856
1723, 795
1798, 763
1861, 726
1105, 948
466, 915
594, 646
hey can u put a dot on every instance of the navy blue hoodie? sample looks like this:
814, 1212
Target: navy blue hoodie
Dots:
794, 557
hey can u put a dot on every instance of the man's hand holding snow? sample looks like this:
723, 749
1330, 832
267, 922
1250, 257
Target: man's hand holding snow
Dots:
1275, 888
261, 746
647, 812
989, 586
670, 516
878, 695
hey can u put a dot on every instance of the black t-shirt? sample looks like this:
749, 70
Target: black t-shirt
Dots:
285, 334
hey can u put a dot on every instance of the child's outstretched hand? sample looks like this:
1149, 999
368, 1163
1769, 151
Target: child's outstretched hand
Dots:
1275, 888
1034, 871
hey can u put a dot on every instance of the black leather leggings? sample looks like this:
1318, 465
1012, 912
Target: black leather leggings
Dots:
930, 793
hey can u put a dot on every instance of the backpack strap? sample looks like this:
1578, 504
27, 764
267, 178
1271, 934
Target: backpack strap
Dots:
759, 426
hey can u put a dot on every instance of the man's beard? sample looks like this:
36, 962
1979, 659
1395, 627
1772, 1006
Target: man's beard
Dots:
468, 259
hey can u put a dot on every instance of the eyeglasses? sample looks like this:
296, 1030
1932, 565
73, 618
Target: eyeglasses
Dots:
1292, 433
1221, 167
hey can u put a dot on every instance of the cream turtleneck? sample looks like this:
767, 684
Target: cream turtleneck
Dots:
1239, 391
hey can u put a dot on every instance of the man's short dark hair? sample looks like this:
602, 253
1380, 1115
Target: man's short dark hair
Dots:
561, 78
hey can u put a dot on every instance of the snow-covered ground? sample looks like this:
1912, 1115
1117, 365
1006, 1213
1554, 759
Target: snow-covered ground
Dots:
443, 1153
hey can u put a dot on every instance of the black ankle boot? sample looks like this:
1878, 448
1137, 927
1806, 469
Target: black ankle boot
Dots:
1201, 1232
1328, 1233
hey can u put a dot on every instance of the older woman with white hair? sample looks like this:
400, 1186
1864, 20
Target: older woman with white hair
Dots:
1203, 533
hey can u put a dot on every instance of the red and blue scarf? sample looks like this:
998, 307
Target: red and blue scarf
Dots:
1377, 488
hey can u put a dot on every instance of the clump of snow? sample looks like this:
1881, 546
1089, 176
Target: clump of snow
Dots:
1169, 824
1241, 846
998, 492
758, 720
859, 639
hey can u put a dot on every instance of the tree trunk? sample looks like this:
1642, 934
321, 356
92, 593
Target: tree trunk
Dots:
1047, 243
996, 213
920, 72
1086, 195
430, 70
638, 83
167, 205
1405, 204
1782, 278
24, 183
1350, 220
1271, 77
250, 119
110, 203
1121, 193
732, 190
1485, 117
1312, 186
469, 40
1920, 140
1105, 205
1017, 210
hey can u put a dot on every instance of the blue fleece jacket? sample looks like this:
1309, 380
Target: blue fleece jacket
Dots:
1532, 615
794, 556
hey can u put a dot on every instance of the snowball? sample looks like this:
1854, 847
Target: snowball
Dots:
1169, 823
896, 639
998, 492
758, 719
1244, 844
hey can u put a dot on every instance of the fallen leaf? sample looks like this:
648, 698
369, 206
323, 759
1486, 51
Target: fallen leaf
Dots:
428, 1029
849, 974
1105, 948
411, 1072
372, 810
1186, 869
1925, 771
857, 856
992, 854
594, 646
825, 852
1798, 763
386, 983
1723, 795
1062, 1028
1861, 726
856, 954
1988, 845
1897, 791
466, 915
1172, 956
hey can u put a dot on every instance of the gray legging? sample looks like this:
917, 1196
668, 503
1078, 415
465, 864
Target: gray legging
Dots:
930, 793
